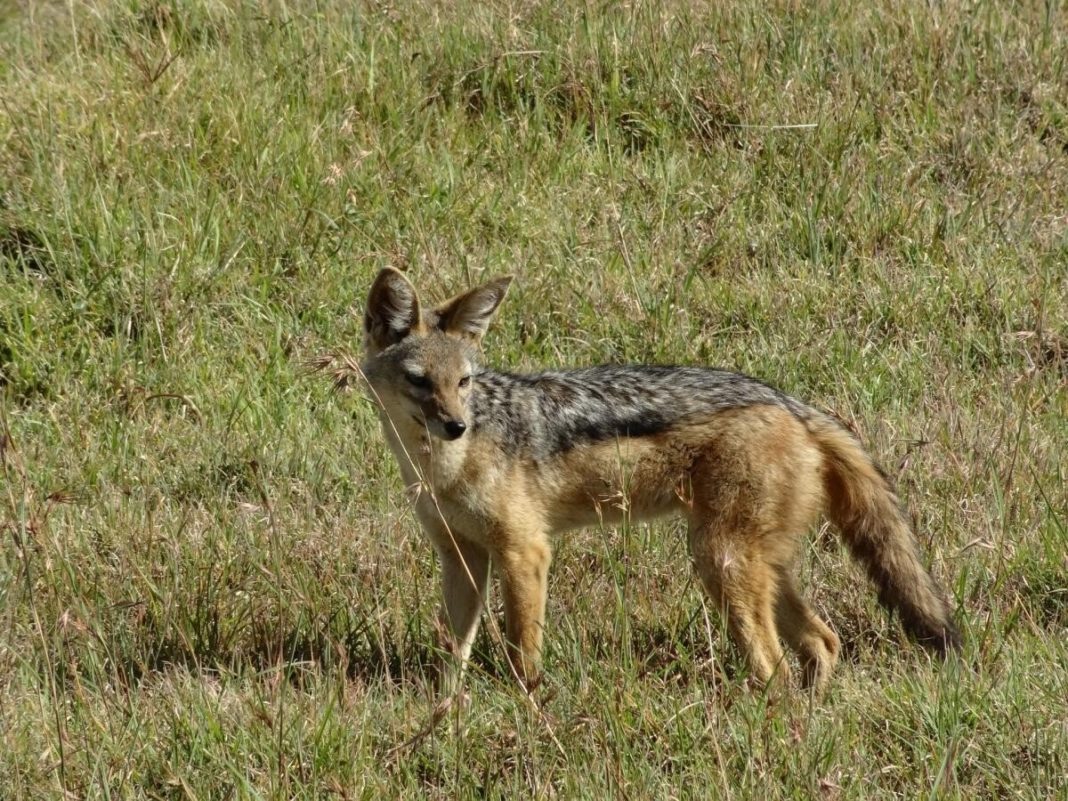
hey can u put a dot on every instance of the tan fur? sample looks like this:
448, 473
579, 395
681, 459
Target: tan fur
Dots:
874, 525
749, 479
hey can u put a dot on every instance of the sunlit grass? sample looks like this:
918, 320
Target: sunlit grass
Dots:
211, 585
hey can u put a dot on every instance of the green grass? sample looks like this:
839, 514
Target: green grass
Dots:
211, 585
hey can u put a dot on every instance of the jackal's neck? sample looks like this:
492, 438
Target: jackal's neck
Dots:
424, 460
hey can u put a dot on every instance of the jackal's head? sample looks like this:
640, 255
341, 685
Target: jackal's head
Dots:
420, 363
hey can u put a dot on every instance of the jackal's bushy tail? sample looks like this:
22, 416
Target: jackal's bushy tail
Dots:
870, 516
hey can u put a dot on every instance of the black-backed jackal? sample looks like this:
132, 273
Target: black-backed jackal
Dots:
503, 461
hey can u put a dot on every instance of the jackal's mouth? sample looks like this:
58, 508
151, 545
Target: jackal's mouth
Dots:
419, 421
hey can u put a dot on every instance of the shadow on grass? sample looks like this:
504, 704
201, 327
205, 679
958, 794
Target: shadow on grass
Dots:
298, 653
25, 248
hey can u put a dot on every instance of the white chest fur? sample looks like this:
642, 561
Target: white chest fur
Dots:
424, 460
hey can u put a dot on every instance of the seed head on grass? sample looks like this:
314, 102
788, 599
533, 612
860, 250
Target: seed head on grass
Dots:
340, 366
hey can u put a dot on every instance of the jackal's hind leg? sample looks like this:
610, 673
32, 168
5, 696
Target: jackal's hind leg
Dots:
811, 639
465, 585
744, 587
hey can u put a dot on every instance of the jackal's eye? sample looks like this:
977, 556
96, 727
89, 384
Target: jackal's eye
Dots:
465, 381
418, 381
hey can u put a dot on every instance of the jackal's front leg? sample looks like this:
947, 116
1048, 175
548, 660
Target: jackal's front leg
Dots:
464, 586
524, 572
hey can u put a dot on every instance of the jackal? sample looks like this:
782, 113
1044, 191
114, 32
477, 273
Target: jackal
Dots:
503, 461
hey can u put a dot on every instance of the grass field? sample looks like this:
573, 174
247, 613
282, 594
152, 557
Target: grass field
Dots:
211, 584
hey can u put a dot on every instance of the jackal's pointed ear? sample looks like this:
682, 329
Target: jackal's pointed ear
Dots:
468, 315
392, 309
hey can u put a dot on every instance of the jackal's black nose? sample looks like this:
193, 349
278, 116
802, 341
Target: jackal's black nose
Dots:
454, 429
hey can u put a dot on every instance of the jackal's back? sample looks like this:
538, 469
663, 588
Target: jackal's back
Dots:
547, 413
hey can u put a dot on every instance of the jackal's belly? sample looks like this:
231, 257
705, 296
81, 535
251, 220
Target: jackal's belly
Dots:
627, 479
